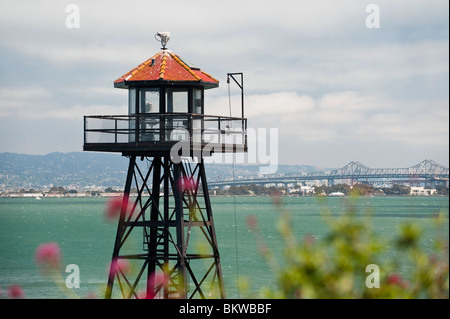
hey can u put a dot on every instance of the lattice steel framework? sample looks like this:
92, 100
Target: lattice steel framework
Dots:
167, 228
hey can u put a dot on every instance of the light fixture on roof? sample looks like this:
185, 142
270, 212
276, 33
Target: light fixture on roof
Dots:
163, 37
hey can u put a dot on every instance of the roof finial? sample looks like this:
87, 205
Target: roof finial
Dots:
163, 37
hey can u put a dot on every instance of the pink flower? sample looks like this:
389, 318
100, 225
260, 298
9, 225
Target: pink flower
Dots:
187, 184
156, 280
308, 240
91, 295
119, 265
263, 249
15, 292
252, 221
394, 279
48, 256
114, 207
276, 198
397, 280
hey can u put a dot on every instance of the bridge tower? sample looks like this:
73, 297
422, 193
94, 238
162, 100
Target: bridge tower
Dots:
166, 228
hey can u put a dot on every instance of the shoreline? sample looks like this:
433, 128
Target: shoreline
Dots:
39, 196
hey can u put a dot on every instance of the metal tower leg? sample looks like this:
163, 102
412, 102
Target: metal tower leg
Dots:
212, 229
181, 244
120, 227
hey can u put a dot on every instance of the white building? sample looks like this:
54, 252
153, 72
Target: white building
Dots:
422, 191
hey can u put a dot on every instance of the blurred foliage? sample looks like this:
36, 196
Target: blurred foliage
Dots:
334, 266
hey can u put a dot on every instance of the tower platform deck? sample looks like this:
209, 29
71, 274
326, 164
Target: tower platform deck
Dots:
159, 133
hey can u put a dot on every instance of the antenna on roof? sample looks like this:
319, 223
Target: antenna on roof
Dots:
163, 37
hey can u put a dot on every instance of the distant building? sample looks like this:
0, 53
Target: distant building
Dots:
422, 191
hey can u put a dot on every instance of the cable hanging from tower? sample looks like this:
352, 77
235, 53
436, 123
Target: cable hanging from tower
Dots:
234, 197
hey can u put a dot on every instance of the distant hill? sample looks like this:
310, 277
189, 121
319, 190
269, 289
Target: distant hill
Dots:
100, 169
61, 169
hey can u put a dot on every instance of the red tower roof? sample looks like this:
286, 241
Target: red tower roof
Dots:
166, 66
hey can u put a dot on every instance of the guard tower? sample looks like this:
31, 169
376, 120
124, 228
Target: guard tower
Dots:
168, 225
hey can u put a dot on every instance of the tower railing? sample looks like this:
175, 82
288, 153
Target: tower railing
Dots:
118, 133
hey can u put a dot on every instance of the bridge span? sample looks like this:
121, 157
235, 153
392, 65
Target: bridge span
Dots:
426, 172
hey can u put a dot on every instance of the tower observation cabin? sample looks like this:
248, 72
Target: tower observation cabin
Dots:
166, 205
165, 106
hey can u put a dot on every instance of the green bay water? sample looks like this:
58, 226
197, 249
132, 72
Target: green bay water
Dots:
86, 238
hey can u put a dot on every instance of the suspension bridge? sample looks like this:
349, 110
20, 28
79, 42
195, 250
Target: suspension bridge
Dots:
427, 172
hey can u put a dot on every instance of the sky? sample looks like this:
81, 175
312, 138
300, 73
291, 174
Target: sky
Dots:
336, 85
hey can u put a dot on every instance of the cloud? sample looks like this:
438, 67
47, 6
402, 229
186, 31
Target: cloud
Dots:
324, 66
312, 69
38, 103
348, 116
21, 100
77, 112
418, 123
73, 54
